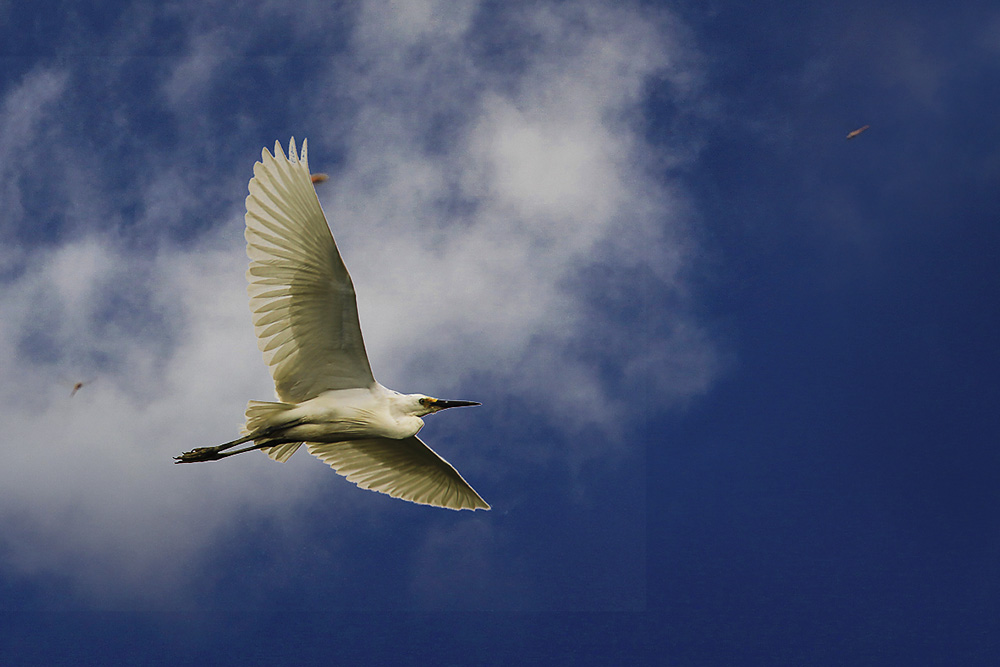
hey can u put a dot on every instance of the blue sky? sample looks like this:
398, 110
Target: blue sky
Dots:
738, 374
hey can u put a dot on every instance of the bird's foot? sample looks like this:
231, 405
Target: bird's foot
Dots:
198, 455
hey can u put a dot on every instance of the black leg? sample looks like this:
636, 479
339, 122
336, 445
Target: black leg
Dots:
200, 454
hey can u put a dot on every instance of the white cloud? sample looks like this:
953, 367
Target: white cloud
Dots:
25, 108
546, 175
191, 78
399, 25
88, 486
477, 201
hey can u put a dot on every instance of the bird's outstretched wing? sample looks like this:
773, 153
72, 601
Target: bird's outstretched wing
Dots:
406, 469
302, 299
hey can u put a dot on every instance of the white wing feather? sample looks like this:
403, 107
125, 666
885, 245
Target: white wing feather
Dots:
302, 299
406, 469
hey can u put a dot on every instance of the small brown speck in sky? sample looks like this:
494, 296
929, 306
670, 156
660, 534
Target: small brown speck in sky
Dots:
851, 135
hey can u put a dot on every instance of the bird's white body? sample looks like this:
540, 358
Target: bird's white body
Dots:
348, 414
305, 316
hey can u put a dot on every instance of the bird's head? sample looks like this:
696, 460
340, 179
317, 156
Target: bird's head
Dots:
427, 405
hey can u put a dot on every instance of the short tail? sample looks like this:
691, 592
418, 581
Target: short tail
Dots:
263, 414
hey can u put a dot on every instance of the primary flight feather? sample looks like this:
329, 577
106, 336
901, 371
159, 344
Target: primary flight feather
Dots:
305, 316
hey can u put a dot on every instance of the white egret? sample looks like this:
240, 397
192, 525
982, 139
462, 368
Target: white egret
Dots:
306, 319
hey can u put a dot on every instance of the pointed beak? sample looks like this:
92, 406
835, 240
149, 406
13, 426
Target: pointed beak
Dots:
440, 404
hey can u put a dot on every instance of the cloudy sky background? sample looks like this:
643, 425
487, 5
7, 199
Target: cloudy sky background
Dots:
738, 373
503, 215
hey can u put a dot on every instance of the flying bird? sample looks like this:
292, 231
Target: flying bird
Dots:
305, 315
854, 133
77, 387
319, 178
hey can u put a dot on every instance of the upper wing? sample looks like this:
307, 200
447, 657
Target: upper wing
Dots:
406, 469
301, 296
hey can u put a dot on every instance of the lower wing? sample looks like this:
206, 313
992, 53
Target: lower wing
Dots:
406, 469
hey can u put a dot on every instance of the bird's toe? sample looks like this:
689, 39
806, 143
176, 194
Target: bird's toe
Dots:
196, 455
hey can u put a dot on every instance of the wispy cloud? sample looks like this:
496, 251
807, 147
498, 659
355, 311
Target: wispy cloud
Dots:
27, 107
493, 195
535, 176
